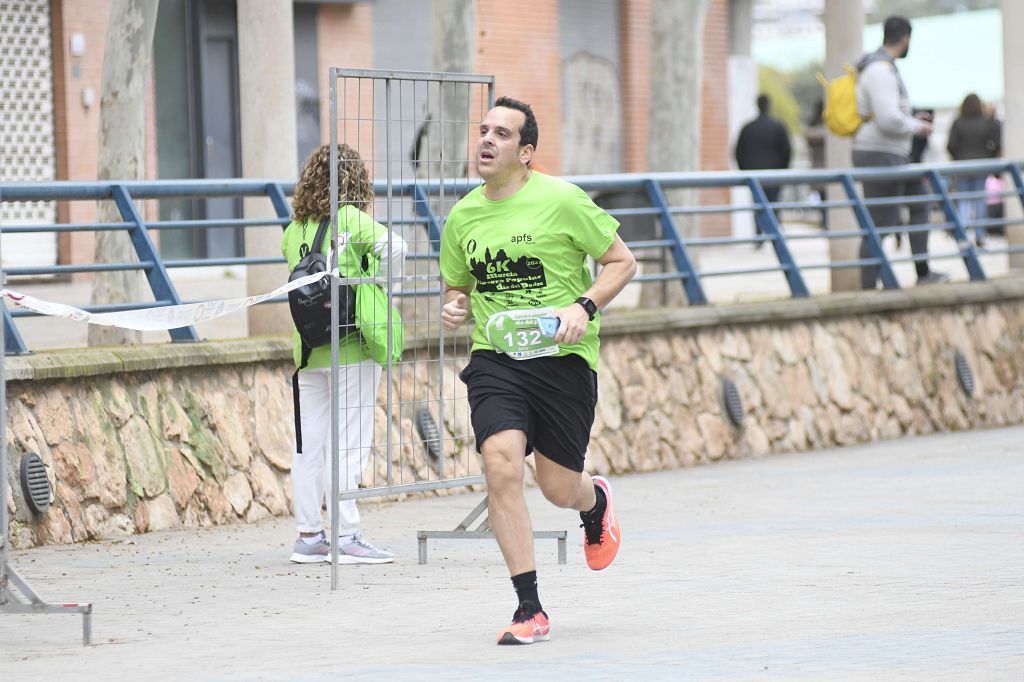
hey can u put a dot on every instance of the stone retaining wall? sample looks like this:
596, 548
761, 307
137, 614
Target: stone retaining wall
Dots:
159, 437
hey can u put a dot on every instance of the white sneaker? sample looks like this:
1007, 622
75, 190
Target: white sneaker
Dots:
318, 552
359, 551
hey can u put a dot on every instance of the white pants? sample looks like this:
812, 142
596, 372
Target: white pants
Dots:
310, 468
358, 393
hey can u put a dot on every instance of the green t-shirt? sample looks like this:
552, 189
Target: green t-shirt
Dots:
359, 234
527, 251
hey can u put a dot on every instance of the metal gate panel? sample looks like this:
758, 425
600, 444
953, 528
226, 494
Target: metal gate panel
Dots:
414, 132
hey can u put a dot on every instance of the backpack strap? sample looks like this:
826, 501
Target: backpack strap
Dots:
318, 238
296, 410
318, 244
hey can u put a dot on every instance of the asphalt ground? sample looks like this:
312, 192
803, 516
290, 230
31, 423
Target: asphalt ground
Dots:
893, 560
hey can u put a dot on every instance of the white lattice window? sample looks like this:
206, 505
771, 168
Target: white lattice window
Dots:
26, 118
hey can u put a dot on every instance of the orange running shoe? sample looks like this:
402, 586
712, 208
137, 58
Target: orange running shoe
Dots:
601, 540
526, 629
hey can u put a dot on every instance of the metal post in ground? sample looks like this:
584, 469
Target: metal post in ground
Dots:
16, 595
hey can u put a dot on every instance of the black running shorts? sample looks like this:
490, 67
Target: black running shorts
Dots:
551, 399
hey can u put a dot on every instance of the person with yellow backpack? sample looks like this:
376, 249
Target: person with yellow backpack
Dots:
871, 103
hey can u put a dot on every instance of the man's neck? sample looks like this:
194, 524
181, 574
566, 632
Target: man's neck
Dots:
496, 190
893, 51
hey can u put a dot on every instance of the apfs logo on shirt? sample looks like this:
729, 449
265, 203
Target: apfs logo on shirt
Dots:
501, 273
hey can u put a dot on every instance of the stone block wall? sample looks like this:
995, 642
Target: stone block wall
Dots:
190, 435
152, 450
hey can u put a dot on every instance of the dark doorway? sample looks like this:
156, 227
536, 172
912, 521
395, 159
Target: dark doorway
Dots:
195, 54
307, 82
219, 142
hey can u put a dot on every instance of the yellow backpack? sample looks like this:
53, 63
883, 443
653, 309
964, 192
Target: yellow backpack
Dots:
841, 115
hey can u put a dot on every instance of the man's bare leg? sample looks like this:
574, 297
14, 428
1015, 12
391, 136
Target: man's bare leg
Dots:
571, 490
504, 455
564, 487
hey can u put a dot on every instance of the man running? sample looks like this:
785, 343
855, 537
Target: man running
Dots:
516, 247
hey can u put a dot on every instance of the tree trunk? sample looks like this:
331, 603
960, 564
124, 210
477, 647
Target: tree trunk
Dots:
454, 51
122, 145
442, 144
673, 132
1013, 123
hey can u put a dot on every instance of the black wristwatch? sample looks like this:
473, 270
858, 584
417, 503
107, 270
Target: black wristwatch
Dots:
588, 305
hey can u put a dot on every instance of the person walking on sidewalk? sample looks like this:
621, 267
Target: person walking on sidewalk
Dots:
516, 248
763, 144
884, 139
363, 240
973, 136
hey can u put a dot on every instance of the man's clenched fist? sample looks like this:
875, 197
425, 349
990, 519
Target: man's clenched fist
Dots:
453, 313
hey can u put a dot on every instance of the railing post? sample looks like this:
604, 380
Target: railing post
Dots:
279, 200
967, 249
691, 280
1018, 181
13, 343
1016, 260
770, 224
867, 225
421, 200
157, 276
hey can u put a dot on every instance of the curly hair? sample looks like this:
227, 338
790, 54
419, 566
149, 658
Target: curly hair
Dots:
313, 190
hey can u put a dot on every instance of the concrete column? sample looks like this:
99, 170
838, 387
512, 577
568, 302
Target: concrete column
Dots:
741, 22
266, 83
844, 44
674, 105
1013, 103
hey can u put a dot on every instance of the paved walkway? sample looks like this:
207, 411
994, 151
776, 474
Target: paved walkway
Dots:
895, 560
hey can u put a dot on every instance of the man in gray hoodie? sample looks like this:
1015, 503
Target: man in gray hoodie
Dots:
884, 139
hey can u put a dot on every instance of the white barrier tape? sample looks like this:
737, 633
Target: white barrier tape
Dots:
159, 318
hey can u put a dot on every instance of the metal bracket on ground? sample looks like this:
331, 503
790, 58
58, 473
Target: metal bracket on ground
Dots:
482, 532
29, 602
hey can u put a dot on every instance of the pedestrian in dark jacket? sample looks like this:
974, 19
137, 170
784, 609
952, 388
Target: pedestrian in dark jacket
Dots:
973, 136
763, 144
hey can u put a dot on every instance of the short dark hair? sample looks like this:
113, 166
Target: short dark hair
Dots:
895, 29
763, 102
528, 132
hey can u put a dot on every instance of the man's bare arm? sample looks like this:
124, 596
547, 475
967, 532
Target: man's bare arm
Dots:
618, 268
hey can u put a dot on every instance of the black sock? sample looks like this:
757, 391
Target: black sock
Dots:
599, 506
526, 590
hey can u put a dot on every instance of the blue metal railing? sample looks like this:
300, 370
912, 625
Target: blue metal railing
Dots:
654, 188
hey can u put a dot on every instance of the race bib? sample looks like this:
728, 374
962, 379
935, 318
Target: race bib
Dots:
518, 333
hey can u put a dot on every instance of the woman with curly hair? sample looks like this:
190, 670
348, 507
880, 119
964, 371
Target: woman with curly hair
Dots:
362, 240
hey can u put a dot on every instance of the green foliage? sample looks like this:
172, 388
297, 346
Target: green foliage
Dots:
784, 106
806, 90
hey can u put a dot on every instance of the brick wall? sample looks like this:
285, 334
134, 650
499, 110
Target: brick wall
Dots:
714, 141
634, 22
518, 43
345, 40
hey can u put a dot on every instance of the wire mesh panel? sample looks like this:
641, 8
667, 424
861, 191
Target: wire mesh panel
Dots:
413, 133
